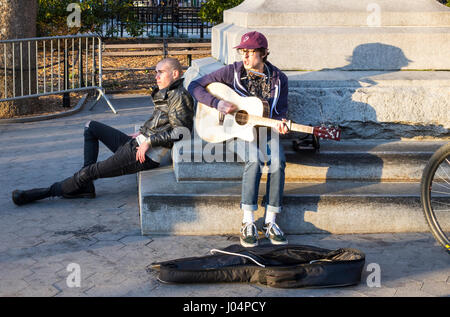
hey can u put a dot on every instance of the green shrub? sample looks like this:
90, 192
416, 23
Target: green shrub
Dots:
445, 2
52, 17
212, 10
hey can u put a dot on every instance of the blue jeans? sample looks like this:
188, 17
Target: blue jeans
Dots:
270, 153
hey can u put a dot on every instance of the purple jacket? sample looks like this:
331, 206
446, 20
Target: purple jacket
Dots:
231, 76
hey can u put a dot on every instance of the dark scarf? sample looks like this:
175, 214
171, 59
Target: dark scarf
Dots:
257, 85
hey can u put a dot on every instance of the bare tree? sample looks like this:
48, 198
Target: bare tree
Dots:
17, 20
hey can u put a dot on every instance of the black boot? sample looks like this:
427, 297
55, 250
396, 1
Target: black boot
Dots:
87, 191
22, 197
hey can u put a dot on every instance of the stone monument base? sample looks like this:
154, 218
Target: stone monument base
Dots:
379, 70
314, 35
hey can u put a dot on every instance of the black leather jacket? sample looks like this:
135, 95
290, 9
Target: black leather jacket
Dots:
173, 113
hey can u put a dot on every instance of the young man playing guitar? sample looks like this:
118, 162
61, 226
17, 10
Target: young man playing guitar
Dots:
254, 76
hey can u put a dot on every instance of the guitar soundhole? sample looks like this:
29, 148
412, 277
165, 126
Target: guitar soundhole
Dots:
241, 117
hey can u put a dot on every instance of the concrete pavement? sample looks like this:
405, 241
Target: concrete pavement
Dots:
101, 238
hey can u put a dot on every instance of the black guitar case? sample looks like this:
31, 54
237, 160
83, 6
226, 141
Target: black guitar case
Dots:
288, 266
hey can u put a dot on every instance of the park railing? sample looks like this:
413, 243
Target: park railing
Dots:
163, 49
35, 67
166, 19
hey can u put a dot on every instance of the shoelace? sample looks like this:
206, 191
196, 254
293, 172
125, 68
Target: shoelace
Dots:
273, 226
247, 229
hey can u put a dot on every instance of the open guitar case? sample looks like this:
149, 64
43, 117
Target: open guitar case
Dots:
287, 266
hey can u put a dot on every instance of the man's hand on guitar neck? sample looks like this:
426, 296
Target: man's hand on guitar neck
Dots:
226, 107
282, 127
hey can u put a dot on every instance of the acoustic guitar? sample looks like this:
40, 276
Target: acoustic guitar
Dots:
213, 126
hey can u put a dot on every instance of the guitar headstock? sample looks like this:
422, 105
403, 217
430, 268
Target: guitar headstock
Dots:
332, 133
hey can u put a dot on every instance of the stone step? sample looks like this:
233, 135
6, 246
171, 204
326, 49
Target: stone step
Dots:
368, 160
339, 207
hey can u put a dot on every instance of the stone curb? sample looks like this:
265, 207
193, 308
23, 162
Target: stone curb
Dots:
76, 109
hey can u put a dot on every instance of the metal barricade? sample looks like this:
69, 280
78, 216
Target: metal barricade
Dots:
35, 67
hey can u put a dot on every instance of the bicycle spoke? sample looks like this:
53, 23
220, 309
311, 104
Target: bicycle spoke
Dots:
445, 181
445, 172
442, 185
439, 202
438, 192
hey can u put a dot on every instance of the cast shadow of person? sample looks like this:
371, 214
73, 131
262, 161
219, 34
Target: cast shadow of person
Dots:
358, 120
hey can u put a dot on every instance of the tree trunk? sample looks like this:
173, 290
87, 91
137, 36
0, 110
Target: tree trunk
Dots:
17, 21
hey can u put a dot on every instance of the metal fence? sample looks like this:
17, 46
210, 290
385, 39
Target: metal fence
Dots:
165, 19
35, 67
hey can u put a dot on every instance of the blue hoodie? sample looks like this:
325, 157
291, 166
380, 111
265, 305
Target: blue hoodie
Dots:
231, 76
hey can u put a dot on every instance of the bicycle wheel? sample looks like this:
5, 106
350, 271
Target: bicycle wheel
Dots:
435, 195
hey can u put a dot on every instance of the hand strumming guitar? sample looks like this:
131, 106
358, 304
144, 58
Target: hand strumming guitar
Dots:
226, 107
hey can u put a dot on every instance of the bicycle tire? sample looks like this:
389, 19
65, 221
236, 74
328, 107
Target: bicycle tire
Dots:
441, 155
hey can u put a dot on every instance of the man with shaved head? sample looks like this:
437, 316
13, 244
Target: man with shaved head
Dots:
171, 120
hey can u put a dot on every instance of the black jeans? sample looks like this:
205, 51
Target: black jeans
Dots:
122, 162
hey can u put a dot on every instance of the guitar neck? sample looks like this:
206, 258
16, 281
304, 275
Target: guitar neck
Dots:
273, 124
